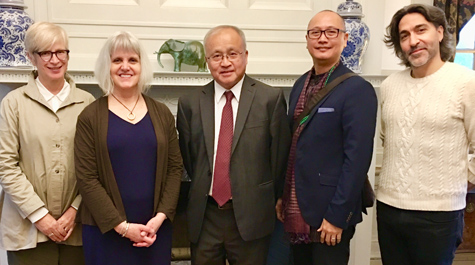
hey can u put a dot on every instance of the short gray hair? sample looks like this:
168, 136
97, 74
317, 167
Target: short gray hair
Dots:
126, 41
42, 35
217, 29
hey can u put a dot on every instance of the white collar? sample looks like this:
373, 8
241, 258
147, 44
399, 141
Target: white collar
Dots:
236, 89
62, 95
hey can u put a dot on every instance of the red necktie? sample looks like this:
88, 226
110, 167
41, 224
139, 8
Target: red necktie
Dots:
221, 182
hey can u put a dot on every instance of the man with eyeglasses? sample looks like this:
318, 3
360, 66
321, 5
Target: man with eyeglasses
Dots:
234, 140
330, 153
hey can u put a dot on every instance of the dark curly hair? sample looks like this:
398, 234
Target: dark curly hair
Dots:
433, 15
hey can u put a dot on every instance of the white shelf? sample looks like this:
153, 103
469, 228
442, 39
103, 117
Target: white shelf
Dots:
20, 75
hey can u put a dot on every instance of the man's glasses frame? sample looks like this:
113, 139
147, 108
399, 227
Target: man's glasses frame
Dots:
219, 57
330, 33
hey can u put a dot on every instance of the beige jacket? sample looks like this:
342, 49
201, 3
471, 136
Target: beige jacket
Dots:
37, 162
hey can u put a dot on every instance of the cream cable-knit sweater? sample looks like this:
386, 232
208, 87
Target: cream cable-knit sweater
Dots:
428, 126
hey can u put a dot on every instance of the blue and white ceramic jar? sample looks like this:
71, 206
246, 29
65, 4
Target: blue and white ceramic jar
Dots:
358, 32
14, 22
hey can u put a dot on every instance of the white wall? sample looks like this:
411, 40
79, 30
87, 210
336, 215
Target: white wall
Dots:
275, 29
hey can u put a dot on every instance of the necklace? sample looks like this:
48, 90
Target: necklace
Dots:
131, 115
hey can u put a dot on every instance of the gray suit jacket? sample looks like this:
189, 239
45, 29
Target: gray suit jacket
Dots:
258, 160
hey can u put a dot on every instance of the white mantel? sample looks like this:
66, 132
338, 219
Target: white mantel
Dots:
20, 76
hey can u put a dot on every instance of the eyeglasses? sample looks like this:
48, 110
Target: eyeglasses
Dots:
218, 57
48, 55
330, 33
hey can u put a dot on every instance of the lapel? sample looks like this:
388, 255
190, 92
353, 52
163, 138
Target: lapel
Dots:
247, 95
207, 119
340, 70
72, 98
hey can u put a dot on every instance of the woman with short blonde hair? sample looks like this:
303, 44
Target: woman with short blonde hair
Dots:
40, 198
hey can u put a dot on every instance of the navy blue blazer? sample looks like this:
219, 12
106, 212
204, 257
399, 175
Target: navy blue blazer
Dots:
334, 151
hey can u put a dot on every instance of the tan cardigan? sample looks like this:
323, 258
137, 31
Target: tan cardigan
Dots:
102, 204
37, 162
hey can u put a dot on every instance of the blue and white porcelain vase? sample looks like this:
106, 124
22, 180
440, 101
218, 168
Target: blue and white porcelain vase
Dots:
14, 22
358, 31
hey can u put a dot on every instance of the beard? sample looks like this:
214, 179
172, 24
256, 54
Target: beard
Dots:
421, 58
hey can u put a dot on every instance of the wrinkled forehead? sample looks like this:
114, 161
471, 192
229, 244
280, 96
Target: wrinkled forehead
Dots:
224, 39
412, 20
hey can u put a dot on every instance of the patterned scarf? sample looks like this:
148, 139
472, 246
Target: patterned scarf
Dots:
295, 226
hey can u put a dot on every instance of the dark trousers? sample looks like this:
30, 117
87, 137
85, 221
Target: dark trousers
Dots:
47, 253
323, 254
220, 241
279, 250
418, 237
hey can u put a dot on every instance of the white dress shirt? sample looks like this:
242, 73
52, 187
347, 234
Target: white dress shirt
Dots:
219, 102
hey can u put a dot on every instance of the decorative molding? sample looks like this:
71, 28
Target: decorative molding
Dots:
300, 5
195, 3
106, 2
177, 24
277, 38
375, 80
14, 75
20, 75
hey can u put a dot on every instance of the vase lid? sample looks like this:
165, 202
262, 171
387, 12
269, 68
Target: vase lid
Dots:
350, 9
13, 3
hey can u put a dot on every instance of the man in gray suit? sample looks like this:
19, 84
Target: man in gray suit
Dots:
234, 139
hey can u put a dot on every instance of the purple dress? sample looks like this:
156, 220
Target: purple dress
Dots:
133, 155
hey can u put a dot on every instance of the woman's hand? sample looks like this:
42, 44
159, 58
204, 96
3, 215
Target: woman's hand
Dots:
135, 233
50, 227
66, 221
154, 224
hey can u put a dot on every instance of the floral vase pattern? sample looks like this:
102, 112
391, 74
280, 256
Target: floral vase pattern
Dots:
13, 25
358, 35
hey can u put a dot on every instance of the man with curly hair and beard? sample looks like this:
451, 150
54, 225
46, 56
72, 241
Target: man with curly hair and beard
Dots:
428, 130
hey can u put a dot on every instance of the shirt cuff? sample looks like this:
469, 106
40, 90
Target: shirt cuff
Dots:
76, 202
38, 214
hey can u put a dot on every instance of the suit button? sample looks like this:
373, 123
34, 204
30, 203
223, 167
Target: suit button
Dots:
349, 217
